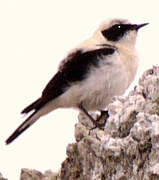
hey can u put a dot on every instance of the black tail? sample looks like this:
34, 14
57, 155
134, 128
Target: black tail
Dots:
25, 125
32, 106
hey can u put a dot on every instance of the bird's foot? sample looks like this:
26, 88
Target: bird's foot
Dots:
101, 120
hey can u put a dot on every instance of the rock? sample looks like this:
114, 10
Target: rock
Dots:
1, 177
28, 174
31, 174
128, 146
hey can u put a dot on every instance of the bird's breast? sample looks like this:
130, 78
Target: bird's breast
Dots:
109, 79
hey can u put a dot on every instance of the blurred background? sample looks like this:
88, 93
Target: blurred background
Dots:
35, 35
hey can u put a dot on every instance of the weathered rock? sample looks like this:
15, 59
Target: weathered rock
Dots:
128, 146
1, 177
31, 174
28, 174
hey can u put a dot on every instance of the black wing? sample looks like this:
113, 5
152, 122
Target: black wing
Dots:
75, 68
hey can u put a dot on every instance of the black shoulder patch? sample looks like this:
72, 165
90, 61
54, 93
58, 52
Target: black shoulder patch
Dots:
77, 67
73, 70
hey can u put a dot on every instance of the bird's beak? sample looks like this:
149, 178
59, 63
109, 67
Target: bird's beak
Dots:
138, 26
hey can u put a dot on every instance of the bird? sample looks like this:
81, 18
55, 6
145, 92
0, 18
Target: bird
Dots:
89, 76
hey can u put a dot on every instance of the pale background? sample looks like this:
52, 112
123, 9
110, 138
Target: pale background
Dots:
34, 36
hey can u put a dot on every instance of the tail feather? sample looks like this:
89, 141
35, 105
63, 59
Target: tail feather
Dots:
32, 106
25, 125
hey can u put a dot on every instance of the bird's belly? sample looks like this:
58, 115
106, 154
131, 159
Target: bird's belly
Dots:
99, 89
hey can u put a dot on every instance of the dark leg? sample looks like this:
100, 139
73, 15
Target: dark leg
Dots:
103, 114
96, 123
87, 114
102, 118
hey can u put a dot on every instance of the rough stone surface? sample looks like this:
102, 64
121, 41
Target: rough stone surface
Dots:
31, 174
127, 148
2, 178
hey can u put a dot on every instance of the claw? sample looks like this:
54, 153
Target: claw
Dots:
103, 116
101, 120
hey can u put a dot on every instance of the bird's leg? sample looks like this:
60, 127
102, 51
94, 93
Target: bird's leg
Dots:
96, 123
103, 117
87, 114
103, 114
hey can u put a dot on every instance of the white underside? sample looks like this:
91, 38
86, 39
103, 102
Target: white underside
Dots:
96, 91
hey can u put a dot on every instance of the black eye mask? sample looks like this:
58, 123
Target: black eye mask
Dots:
116, 32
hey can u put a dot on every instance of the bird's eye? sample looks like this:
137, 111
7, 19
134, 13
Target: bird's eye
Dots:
116, 26
115, 33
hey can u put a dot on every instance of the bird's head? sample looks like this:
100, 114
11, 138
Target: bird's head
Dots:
118, 32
